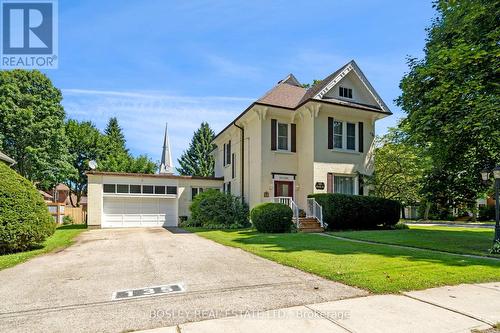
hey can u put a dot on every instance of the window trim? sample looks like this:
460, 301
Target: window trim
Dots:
344, 148
141, 193
288, 137
355, 182
345, 92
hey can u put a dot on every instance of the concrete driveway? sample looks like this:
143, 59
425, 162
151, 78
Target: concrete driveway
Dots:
71, 290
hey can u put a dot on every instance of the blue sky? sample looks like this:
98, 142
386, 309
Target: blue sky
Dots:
148, 62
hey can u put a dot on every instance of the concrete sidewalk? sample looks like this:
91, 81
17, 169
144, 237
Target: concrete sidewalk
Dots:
447, 309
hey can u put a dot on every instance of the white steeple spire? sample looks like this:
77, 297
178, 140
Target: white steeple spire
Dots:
166, 165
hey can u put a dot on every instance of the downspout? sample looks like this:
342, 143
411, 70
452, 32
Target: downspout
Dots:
242, 162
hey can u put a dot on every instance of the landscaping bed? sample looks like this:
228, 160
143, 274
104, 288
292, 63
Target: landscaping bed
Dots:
374, 267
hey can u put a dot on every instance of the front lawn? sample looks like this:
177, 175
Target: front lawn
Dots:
375, 267
63, 237
476, 241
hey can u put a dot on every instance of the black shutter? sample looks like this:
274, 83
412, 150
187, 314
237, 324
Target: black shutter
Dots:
360, 184
360, 137
228, 157
274, 125
330, 133
233, 166
224, 156
293, 129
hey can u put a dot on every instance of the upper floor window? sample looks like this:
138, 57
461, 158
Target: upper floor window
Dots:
344, 135
351, 136
227, 153
283, 136
338, 136
345, 92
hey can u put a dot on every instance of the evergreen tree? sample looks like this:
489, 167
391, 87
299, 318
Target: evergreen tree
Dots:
197, 160
117, 157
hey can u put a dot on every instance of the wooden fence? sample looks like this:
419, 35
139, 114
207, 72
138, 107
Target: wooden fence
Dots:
78, 215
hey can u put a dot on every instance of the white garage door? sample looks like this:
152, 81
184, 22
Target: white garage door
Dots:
139, 212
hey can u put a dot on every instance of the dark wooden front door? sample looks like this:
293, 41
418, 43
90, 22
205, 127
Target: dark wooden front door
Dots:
283, 188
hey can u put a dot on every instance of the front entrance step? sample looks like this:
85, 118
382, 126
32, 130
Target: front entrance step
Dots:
309, 224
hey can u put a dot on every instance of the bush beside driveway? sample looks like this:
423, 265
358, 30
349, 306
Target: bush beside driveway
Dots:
62, 238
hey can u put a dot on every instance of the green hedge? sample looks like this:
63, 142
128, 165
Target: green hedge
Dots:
272, 217
341, 211
218, 210
25, 221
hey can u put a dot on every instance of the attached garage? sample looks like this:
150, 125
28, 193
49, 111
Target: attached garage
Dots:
126, 200
139, 212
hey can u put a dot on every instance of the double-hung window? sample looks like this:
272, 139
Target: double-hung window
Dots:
283, 136
351, 136
338, 134
344, 135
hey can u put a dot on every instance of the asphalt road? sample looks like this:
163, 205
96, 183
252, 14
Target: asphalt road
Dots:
72, 290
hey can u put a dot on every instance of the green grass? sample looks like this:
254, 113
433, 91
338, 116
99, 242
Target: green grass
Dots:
63, 237
475, 241
375, 267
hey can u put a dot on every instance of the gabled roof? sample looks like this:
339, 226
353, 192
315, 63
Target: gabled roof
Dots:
284, 94
288, 93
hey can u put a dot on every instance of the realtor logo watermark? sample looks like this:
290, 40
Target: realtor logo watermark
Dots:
29, 36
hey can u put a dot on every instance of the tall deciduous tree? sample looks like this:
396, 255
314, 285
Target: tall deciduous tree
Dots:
452, 98
197, 160
32, 126
399, 169
86, 143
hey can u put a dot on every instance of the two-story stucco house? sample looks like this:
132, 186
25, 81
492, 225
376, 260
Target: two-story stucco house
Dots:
294, 141
289, 143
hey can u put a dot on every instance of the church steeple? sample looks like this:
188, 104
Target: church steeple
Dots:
166, 165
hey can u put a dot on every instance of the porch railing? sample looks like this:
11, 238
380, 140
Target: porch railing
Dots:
290, 203
315, 210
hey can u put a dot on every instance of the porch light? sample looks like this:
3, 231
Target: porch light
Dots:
485, 174
496, 172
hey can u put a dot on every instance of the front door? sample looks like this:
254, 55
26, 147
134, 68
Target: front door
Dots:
283, 188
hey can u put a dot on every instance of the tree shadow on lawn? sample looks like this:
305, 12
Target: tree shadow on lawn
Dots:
478, 241
301, 242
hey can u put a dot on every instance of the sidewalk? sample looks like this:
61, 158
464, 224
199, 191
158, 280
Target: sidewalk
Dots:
447, 309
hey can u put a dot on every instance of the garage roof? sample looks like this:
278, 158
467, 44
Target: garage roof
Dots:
152, 175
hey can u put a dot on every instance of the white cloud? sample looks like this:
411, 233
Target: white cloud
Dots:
229, 67
142, 115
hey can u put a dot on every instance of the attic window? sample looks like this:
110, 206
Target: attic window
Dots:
345, 92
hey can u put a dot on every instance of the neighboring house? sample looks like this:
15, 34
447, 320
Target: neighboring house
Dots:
7, 159
62, 194
293, 141
143, 200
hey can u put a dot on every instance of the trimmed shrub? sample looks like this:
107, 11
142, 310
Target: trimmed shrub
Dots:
272, 217
341, 211
25, 221
218, 210
68, 220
